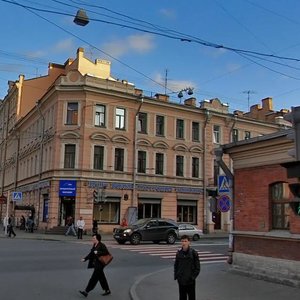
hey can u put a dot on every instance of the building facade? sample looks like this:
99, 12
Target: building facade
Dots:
266, 230
79, 142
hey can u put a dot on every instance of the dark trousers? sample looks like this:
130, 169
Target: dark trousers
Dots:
187, 292
98, 275
10, 231
79, 233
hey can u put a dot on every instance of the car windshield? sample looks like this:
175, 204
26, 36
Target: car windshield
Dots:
140, 222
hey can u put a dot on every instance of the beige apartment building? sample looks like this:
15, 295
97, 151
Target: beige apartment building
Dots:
78, 142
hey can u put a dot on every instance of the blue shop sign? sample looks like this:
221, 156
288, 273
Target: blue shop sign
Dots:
67, 188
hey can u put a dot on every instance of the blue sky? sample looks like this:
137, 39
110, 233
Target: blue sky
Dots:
207, 59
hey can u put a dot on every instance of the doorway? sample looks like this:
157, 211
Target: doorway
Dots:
216, 218
67, 208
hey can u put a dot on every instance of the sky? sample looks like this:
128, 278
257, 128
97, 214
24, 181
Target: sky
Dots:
239, 51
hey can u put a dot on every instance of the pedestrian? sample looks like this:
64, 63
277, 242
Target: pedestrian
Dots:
70, 225
80, 226
98, 249
95, 226
22, 223
186, 269
10, 226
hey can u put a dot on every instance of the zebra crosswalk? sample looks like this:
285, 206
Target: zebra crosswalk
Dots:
169, 252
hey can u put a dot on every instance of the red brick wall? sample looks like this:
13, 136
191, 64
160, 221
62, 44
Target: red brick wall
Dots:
252, 207
271, 247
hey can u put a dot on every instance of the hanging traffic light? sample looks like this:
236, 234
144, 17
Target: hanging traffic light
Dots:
295, 203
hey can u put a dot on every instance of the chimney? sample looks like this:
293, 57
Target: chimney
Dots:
162, 97
190, 102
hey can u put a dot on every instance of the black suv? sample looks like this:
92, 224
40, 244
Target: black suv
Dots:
155, 229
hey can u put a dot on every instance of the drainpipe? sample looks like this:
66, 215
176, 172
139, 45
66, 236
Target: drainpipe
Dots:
41, 160
134, 156
207, 119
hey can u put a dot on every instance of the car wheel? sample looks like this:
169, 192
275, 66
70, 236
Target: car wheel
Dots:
135, 239
121, 242
196, 237
171, 239
156, 242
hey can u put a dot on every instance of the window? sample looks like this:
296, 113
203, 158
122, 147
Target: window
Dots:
159, 164
179, 129
235, 135
100, 115
149, 208
142, 125
195, 167
195, 132
141, 162
120, 118
98, 157
187, 211
119, 159
160, 125
179, 165
247, 135
108, 211
69, 161
280, 205
72, 113
217, 134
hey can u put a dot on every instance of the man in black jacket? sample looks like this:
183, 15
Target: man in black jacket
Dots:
186, 269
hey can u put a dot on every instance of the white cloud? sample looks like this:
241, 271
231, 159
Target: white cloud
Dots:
174, 85
63, 46
141, 43
169, 13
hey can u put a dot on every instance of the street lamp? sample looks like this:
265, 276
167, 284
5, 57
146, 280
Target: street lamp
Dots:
81, 18
188, 90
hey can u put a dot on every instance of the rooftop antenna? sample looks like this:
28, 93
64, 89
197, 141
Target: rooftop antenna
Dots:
248, 97
166, 81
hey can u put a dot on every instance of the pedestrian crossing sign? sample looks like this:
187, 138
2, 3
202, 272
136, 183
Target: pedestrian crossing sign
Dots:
17, 196
223, 184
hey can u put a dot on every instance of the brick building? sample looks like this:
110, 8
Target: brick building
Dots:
266, 231
78, 131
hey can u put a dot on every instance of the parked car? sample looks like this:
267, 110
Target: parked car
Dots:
150, 229
190, 230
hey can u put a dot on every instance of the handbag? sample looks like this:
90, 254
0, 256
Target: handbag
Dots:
105, 259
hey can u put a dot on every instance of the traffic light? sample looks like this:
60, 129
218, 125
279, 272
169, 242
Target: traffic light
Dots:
96, 196
295, 203
294, 118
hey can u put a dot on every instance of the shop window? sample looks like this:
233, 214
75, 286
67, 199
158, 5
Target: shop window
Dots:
187, 211
107, 212
149, 208
279, 194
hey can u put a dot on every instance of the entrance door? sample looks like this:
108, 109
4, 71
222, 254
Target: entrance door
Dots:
216, 217
67, 208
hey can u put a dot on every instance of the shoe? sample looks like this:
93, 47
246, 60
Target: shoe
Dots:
84, 293
106, 293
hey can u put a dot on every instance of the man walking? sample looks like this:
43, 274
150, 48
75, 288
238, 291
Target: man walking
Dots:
80, 226
70, 225
186, 269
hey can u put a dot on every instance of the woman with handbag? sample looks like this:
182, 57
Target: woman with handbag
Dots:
99, 249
